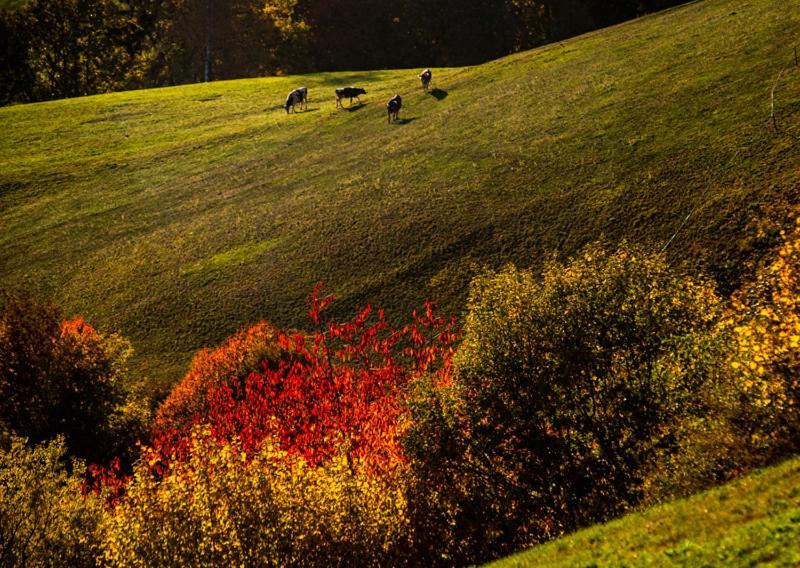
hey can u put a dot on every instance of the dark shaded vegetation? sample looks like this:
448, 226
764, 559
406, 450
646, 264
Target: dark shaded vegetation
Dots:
62, 378
565, 394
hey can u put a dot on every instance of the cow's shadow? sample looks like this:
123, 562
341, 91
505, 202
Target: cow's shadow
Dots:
404, 121
298, 111
438, 94
355, 107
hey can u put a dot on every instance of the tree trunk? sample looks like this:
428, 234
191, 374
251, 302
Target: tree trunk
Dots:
207, 54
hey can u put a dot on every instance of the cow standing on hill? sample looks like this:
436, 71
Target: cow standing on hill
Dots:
393, 106
425, 77
297, 97
348, 93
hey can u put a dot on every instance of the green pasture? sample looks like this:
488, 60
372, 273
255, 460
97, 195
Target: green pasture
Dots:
177, 215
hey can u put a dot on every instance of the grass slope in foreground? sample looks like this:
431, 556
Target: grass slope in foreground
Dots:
754, 521
176, 215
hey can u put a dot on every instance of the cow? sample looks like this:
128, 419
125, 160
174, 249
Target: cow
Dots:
425, 78
348, 93
297, 97
393, 106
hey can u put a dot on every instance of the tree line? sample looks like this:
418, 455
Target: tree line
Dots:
64, 48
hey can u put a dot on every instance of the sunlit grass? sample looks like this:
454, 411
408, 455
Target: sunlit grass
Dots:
238, 255
754, 521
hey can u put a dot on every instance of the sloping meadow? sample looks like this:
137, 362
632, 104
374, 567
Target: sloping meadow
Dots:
176, 215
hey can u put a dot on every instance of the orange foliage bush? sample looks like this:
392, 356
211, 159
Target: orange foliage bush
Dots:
245, 352
336, 390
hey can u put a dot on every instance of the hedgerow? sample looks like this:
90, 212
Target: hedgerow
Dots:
606, 382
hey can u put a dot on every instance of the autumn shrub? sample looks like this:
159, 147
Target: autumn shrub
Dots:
765, 358
224, 507
44, 519
337, 389
245, 352
747, 413
64, 377
300, 462
565, 390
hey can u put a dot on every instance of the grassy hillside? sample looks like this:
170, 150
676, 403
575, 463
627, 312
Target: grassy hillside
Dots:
177, 215
754, 521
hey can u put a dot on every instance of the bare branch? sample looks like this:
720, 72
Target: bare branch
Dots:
772, 100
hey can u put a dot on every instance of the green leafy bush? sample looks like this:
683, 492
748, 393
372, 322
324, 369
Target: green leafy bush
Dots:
566, 389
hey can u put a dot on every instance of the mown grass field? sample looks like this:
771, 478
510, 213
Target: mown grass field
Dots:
177, 215
754, 521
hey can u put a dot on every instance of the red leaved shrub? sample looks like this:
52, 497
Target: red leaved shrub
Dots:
337, 390
244, 352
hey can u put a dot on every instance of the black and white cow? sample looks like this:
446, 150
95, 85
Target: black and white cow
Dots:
393, 106
298, 97
348, 93
425, 77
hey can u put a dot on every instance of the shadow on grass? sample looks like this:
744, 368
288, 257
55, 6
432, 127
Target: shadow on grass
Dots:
403, 121
355, 107
343, 78
438, 94
298, 111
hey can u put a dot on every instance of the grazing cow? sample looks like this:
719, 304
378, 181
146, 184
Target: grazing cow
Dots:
394, 105
297, 97
425, 78
348, 93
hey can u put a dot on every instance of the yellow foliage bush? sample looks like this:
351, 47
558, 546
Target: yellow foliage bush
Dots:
765, 356
221, 508
44, 519
747, 413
